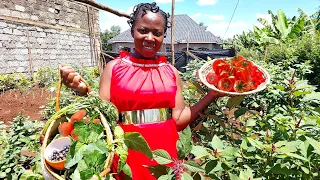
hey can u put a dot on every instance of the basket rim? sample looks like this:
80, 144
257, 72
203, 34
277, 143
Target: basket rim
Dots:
202, 76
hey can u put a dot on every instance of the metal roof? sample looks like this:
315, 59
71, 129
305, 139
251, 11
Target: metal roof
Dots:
183, 24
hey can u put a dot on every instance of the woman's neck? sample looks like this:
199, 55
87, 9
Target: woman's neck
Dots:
139, 56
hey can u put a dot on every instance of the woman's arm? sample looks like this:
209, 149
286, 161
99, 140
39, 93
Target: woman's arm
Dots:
105, 80
187, 115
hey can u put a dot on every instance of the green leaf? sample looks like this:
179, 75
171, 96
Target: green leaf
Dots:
158, 171
127, 170
233, 177
315, 144
313, 96
118, 132
280, 169
234, 101
246, 174
162, 157
282, 88
240, 112
122, 151
244, 145
166, 177
71, 161
135, 141
86, 174
193, 166
216, 143
184, 144
297, 156
186, 176
305, 170
299, 93
3, 174
199, 151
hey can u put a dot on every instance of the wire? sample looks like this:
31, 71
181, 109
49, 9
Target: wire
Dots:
231, 19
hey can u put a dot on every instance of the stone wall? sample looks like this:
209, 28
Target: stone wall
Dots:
41, 33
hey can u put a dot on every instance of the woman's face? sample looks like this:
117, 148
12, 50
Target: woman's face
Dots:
148, 34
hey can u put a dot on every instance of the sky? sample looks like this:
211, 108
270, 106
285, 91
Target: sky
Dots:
215, 14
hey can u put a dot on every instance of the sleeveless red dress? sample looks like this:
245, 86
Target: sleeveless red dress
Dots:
138, 84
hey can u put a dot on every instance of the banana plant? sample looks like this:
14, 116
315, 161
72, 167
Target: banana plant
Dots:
281, 28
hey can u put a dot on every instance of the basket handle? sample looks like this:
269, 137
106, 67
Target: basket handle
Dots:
58, 94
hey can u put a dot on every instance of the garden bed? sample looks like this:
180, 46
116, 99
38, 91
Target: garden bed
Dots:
32, 101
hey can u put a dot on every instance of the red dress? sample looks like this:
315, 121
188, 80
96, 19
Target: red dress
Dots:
138, 84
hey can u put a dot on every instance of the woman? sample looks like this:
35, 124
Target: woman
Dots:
142, 83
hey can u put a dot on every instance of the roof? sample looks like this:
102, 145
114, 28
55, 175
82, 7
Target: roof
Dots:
183, 24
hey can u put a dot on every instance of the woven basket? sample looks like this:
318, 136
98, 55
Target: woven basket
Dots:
48, 172
207, 68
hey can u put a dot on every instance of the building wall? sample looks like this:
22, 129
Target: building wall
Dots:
41, 33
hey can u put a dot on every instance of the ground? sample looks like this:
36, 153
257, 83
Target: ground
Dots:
32, 101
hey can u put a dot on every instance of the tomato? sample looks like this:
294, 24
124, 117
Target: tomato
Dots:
240, 86
241, 74
236, 59
74, 136
65, 128
225, 84
78, 116
244, 64
220, 65
224, 74
212, 78
96, 121
232, 79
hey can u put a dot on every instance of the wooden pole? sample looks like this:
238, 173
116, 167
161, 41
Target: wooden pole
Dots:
103, 7
30, 58
172, 32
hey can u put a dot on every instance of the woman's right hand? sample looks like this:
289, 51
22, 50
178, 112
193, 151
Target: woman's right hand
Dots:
72, 79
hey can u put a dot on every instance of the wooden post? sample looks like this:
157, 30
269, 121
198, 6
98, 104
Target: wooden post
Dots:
172, 32
103, 7
30, 58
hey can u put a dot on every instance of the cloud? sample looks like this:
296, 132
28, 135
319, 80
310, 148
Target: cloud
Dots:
210, 16
206, 2
108, 19
167, 1
220, 28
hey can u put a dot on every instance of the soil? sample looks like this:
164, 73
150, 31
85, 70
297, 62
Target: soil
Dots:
31, 101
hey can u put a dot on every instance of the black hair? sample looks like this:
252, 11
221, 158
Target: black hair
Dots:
144, 7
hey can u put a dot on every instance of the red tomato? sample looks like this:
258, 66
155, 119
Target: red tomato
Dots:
220, 65
232, 79
225, 84
240, 86
212, 78
224, 74
241, 74
65, 128
74, 136
236, 59
244, 64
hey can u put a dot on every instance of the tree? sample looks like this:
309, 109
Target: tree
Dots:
107, 35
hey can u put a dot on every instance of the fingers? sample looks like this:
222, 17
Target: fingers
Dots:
75, 80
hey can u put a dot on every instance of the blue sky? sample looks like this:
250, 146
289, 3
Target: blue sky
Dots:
215, 14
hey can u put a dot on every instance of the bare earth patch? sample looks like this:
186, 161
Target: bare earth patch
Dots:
32, 101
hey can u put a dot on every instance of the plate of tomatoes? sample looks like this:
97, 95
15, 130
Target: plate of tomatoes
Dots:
234, 76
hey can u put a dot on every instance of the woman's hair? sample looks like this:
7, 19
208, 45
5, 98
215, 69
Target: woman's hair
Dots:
144, 7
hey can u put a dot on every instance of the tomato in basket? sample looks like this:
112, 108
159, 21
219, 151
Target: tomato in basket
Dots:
225, 84
212, 78
220, 65
237, 75
240, 86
